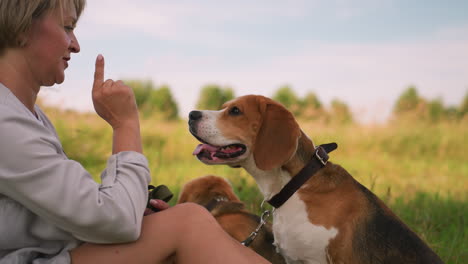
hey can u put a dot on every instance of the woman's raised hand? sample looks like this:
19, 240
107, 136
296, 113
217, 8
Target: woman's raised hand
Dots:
113, 100
115, 103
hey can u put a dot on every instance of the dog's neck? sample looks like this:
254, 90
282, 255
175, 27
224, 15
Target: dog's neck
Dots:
272, 181
304, 152
269, 182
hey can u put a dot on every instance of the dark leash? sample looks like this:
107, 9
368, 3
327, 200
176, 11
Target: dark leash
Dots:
318, 161
160, 192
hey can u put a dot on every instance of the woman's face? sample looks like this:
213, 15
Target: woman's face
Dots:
50, 44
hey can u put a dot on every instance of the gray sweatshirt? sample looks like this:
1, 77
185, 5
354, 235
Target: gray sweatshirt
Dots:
50, 204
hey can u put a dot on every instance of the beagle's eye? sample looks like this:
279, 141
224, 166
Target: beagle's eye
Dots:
235, 111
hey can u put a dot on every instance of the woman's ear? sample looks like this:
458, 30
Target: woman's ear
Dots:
276, 141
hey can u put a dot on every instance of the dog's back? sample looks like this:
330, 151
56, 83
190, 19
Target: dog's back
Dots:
369, 231
383, 238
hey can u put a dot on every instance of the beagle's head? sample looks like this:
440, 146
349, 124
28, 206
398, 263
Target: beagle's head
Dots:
250, 126
204, 189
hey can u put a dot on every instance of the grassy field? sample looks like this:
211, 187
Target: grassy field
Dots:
420, 170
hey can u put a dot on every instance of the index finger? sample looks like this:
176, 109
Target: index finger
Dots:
99, 70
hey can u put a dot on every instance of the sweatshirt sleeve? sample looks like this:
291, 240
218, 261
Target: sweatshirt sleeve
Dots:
35, 172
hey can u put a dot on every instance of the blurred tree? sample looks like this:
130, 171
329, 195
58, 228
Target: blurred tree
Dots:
142, 90
312, 108
153, 101
340, 112
463, 110
228, 94
408, 101
411, 106
286, 96
311, 100
162, 102
452, 113
212, 97
436, 110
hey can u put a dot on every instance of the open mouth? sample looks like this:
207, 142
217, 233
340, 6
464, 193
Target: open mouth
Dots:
215, 153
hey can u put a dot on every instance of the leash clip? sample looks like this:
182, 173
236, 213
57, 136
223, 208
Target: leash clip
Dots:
263, 218
254, 234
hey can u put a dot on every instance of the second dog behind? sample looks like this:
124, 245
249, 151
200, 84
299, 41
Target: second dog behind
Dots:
216, 195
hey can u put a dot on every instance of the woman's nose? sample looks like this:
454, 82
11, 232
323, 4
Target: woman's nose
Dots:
74, 45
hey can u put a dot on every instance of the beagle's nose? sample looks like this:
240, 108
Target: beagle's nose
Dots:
195, 115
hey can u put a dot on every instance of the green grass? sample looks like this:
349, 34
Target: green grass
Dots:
419, 169
441, 221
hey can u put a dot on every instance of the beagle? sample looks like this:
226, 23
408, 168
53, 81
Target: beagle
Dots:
216, 195
330, 218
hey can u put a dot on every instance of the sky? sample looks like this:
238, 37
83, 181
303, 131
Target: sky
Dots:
362, 52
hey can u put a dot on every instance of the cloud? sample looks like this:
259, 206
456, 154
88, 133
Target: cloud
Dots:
349, 9
126, 16
459, 32
174, 19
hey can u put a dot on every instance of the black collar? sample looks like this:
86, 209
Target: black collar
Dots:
318, 161
214, 202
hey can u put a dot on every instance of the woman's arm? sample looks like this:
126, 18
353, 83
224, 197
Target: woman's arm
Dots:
115, 103
35, 172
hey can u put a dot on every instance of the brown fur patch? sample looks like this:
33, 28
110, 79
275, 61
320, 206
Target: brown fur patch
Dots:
204, 189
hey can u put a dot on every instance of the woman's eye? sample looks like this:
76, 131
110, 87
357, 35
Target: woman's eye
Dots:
235, 111
69, 28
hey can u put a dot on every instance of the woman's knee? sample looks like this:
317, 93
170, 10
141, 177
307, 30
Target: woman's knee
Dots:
185, 217
192, 214
176, 223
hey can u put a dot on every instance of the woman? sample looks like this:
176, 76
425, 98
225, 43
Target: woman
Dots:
51, 211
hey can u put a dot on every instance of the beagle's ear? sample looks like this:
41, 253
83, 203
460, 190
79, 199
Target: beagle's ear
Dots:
277, 138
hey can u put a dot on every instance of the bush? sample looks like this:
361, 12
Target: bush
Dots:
212, 97
286, 96
153, 101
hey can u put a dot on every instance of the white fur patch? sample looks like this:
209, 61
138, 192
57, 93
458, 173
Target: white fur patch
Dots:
207, 129
296, 237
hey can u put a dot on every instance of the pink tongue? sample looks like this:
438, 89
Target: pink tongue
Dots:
201, 147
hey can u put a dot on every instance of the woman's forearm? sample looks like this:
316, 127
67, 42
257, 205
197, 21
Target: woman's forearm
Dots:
127, 138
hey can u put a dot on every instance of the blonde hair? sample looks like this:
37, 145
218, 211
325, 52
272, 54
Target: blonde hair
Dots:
16, 17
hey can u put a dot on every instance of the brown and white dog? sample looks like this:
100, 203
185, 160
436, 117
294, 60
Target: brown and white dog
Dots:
216, 195
331, 218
